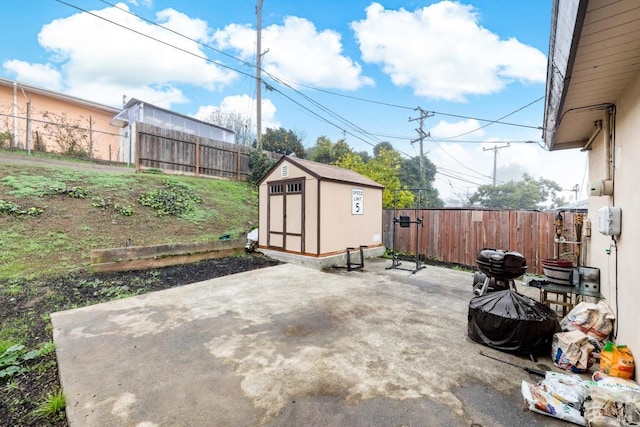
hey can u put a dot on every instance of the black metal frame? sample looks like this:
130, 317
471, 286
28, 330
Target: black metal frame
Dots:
405, 222
358, 266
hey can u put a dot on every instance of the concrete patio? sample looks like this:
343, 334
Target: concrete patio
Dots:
290, 345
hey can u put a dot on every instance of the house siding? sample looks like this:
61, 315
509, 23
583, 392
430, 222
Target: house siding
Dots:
103, 138
620, 270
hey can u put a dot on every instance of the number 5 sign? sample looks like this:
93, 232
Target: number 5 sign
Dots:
357, 201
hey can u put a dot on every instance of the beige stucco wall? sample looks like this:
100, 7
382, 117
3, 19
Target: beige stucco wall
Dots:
103, 136
339, 227
625, 253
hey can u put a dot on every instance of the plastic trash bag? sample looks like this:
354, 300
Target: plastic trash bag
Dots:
252, 241
511, 322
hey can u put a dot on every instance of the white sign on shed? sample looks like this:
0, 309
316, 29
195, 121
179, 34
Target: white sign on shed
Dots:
357, 201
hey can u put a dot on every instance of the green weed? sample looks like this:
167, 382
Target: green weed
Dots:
32, 185
12, 360
52, 407
11, 208
174, 199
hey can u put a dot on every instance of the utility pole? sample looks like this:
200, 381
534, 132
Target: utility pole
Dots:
495, 158
421, 136
259, 76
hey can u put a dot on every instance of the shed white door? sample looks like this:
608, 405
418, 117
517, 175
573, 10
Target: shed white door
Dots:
285, 221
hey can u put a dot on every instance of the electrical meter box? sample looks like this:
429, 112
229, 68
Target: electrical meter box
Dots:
609, 220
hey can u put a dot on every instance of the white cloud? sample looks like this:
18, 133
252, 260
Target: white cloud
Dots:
472, 165
146, 3
107, 60
466, 128
441, 51
298, 52
42, 75
245, 106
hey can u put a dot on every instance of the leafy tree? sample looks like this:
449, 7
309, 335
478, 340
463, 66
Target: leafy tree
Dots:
384, 145
259, 165
410, 177
364, 155
282, 141
328, 152
526, 194
383, 168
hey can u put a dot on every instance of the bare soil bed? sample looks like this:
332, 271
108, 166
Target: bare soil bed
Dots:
29, 307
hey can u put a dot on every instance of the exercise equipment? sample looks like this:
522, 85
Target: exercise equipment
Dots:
406, 222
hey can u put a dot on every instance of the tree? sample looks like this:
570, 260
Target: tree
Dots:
259, 165
364, 155
328, 152
383, 169
239, 123
526, 194
410, 177
282, 141
384, 145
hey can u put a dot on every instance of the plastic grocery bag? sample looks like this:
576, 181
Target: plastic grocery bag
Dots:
617, 360
572, 351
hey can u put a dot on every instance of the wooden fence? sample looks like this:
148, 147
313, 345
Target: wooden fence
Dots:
181, 152
457, 235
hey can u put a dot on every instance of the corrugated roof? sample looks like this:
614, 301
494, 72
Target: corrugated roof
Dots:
330, 173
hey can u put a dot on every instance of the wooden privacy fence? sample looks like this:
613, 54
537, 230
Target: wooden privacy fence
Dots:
457, 235
182, 152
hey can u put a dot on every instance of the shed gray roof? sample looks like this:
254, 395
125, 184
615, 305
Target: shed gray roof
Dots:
328, 172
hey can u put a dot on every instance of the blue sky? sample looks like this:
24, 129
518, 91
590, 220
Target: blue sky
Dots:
354, 69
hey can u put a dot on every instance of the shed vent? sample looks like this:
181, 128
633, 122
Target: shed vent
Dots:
284, 171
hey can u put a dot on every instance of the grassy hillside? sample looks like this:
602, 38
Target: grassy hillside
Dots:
52, 216
52, 213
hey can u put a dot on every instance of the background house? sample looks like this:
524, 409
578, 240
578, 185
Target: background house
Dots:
593, 103
36, 118
137, 111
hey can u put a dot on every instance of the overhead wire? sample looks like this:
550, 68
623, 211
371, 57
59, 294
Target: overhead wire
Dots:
283, 81
347, 123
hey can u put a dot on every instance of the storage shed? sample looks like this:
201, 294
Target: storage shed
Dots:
317, 210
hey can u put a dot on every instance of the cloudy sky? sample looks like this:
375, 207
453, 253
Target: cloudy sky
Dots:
355, 69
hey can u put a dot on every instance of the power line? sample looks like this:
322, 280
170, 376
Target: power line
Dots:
326, 110
155, 39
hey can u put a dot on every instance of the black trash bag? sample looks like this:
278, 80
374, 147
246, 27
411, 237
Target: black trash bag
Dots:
511, 322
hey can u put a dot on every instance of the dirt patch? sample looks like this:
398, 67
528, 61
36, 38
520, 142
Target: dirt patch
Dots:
30, 305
